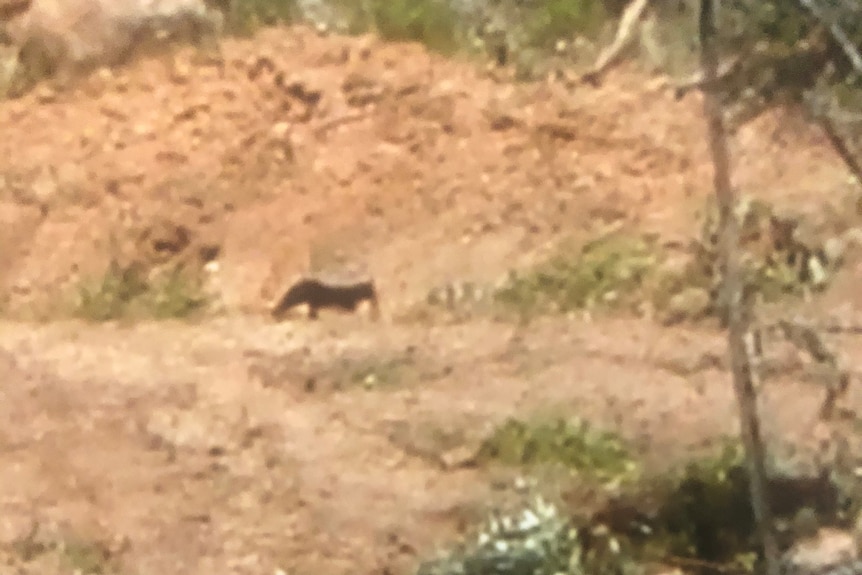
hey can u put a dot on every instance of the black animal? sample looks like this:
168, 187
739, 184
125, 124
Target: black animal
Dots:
317, 294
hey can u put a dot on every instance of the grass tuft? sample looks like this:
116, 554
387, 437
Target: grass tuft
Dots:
129, 292
604, 273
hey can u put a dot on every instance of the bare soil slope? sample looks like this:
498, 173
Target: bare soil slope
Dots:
240, 446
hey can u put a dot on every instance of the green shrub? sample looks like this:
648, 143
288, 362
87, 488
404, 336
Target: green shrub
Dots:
556, 19
605, 272
572, 443
538, 540
108, 297
247, 16
434, 23
177, 294
127, 291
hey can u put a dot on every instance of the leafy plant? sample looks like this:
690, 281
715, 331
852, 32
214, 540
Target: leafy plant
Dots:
108, 297
539, 540
247, 16
127, 291
572, 443
605, 272
434, 23
552, 20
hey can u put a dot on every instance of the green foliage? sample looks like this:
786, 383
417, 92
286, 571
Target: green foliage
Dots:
607, 272
247, 16
87, 558
571, 443
177, 294
780, 23
552, 20
697, 512
786, 52
123, 292
537, 540
108, 297
434, 23
706, 513
77, 554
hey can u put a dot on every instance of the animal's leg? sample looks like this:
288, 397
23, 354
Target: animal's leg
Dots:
312, 312
375, 308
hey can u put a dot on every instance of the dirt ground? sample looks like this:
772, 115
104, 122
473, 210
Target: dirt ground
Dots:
238, 445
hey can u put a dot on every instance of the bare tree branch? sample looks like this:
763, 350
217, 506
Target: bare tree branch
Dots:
623, 39
740, 338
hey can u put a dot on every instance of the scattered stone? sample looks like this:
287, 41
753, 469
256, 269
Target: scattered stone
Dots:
828, 549
690, 304
834, 249
460, 456
46, 94
360, 91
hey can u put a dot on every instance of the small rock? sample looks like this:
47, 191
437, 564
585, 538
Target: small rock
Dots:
853, 238
280, 129
817, 272
142, 129
181, 70
691, 303
45, 94
829, 548
675, 266
461, 456
833, 249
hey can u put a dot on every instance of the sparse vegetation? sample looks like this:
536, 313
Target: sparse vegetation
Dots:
434, 23
554, 20
86, 557
629, 273
238, 457
697, 513
609, 272
571, 443
75, 554
704, 512
537, 539
124, 292
380, 372
248, 16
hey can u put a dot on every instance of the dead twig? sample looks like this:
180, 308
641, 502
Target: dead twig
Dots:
625, 33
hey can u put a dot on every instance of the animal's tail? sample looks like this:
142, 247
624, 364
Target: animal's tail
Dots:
375, 302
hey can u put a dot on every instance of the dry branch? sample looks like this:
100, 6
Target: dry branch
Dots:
625, 32
740, 337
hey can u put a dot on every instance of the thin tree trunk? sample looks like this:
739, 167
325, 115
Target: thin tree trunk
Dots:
740, 341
